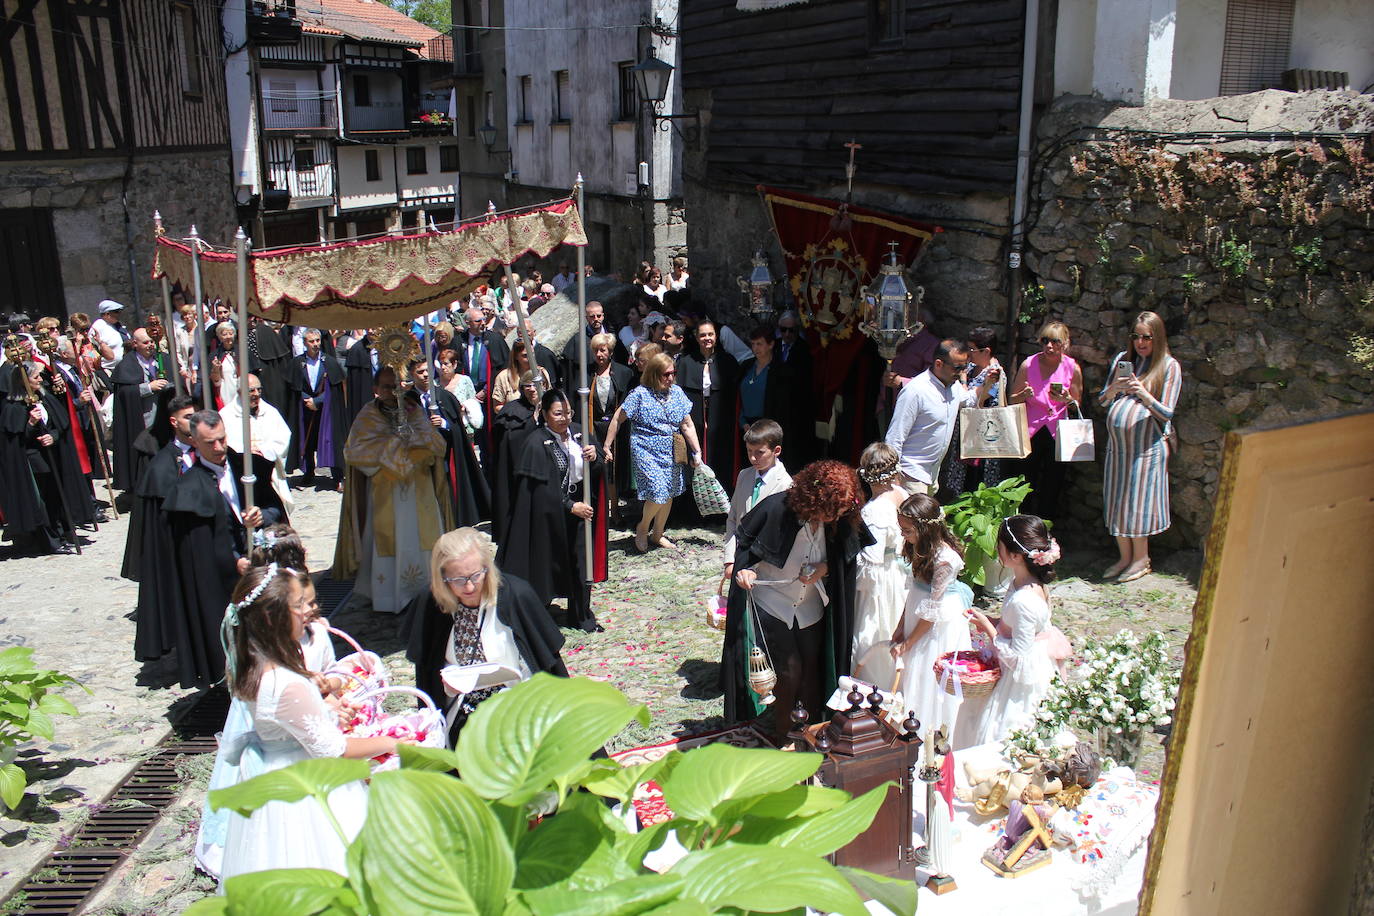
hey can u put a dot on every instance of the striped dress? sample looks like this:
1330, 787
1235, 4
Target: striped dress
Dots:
1135, 485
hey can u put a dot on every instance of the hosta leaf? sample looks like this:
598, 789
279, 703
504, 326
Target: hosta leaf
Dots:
12, 783
709, 783
898, 895
766, 879
303, 891
318, 777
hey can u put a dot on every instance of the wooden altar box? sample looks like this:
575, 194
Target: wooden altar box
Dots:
866, 753
1265, 800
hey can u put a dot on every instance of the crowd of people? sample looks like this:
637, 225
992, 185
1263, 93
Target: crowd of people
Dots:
832, 569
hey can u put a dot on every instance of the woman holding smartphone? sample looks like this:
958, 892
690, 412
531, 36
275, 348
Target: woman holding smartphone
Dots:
1141, 394
1047, 383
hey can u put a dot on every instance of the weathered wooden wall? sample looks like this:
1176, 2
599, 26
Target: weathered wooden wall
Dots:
935, 112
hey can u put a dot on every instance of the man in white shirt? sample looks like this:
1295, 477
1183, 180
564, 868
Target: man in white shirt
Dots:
110, 332
923, 420
564, 277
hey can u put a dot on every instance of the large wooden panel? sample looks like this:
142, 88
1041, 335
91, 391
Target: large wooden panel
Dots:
30, 273
1269, 769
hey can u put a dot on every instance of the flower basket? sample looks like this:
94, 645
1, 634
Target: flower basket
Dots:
715, 607
424, 726
976, 677
365, 670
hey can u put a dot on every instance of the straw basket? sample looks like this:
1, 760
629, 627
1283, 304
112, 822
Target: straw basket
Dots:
365, 670
715, 607
971, 683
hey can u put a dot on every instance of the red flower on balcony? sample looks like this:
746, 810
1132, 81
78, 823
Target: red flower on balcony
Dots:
436, 118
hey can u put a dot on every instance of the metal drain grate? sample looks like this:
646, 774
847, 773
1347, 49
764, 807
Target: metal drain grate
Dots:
331, 593
64, 881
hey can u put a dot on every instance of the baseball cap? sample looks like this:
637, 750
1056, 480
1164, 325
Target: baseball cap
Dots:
109, 305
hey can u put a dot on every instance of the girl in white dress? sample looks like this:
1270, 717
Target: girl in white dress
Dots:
264, 627
883, 573
1023, 639
934, 621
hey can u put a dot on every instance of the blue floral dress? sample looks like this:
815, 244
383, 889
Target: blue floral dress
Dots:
656, 417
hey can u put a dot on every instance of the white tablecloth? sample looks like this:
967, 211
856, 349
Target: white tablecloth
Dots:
1122, 812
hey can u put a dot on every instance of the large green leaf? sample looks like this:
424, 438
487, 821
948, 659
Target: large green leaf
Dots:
898, 895
418, 757
55, 705
679, 908
798, 801
16, 660
40, 724
299, 891
208, 906
823, 833
609, 779
525, 739
630, 897
573, 849
711, 784
12, 783
318, 777
430, 845
766, 879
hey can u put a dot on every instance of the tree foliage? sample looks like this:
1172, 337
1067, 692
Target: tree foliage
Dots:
437, 14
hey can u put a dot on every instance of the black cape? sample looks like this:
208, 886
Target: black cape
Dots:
715, 416
36, 479
766, 534
623, 381
271, 364
150, 541
571, 358
208, 541
783, 403
466, 483
298, 388
358, 387
511, 424
544, 542
426, 630
545, 358
128, 377
497, 356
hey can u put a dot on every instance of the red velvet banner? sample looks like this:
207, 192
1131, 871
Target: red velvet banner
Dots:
833, 251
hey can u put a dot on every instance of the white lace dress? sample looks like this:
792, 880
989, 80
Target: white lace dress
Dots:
290, 723
318, 650
942, 603
881, 591
1026, 665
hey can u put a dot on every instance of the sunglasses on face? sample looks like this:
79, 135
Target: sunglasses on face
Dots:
1142, 337
1051, 340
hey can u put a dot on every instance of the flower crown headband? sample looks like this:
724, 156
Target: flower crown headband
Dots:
879, 473
264, 540
1047, 557
231, 619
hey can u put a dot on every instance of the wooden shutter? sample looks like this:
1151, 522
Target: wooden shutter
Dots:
1258, 37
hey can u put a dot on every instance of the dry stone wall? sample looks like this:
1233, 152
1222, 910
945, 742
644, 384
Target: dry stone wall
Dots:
1248, 224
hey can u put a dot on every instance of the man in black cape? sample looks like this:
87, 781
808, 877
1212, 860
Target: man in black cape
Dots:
466, 483
44, 494
360, 366
545, 542
427, 632
595, 315
315, 411
783, 400
511, 424
269, 358
160, 434
713, 412
137, 385
211, 546
150, 541
767, 534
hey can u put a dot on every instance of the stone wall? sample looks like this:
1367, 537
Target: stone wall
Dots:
102, 213
1256, 249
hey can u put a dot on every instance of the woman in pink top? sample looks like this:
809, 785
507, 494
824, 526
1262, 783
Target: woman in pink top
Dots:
1047, 383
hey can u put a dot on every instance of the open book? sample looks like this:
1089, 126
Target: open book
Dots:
466, 678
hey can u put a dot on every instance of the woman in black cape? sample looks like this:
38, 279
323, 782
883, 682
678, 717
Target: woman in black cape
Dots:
545, 540
509, 428
475, 613
824, 497
610, 383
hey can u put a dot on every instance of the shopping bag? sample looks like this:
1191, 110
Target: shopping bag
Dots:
994, 432
709, 494
1073, 441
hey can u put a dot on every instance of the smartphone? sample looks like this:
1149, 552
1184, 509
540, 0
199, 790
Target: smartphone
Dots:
1124, 370
1057, 388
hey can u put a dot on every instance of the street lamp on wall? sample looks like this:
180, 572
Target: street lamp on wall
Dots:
651, 82
487, 132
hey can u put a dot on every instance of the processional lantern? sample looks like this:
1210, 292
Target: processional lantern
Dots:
895, 309
759, 288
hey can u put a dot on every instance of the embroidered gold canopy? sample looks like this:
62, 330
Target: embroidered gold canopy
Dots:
374, 283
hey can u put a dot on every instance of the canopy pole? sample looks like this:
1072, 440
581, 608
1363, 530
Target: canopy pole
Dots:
584, 393
202, 355
520, 318
170, 333
241, 251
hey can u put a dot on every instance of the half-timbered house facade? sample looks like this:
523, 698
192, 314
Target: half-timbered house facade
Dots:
108, 111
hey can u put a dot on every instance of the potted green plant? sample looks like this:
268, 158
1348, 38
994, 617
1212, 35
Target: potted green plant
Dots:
975, 519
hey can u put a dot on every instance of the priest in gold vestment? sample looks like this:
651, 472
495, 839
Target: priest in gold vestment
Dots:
395, 502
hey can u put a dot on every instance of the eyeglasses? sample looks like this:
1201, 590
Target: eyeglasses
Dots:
973, 349
670, 373
1142, 337
463, 581
1051, 340
258, 390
